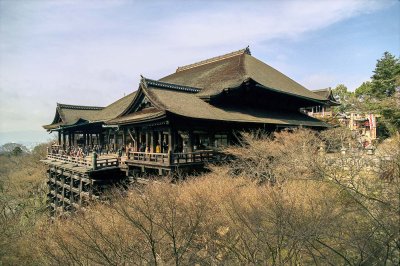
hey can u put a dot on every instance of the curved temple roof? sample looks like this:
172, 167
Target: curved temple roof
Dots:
183, 93
231, 70
327, 94
167, 99
67, 115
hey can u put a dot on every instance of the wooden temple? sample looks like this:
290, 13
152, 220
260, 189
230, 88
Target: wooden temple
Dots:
180, 121
323, 110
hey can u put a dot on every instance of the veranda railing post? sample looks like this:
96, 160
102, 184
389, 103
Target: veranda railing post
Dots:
170, 157
94, 160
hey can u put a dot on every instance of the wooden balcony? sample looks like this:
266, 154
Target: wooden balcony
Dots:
173, 159
134, 160
92, 162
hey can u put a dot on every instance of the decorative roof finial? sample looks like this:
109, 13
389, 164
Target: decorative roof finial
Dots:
143, 80
247, 50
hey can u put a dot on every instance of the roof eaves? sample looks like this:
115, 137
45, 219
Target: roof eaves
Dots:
117, 121
317, 123
171, 86
321, 102
144, 88
79, 107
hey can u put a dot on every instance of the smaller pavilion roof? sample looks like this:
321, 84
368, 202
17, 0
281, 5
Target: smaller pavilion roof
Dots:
327, 94
68, 115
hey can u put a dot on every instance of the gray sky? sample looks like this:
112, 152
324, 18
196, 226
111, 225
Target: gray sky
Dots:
92, 52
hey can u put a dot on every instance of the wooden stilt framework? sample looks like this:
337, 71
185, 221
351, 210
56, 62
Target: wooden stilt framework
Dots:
72, 185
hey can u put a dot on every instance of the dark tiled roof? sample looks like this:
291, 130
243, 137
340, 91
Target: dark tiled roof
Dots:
190, 105
67, 114
145, 114
327, 95
214, 59
181, 93
230, 71
159, 84
116, 108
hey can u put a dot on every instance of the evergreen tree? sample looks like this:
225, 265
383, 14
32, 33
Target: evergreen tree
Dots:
365, 89
344, 96
386, 76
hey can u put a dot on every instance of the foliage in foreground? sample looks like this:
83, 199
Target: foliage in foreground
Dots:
283, 203
22, 204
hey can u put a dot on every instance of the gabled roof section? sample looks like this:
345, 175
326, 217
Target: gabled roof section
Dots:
116, 108
67, 114
143, 115
327, 94
78, 107
159, 84
215, 59
229, 71
180, 102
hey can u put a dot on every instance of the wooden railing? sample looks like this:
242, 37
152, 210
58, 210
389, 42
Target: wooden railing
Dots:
69, 159
170, 159
93, 161
162, 158
194, 157
166, 159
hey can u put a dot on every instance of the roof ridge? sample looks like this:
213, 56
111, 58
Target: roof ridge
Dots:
325, 89
79, 107
166, 85
215, 59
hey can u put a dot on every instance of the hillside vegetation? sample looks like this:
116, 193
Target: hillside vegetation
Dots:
280, 202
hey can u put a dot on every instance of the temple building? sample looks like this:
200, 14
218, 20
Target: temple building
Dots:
323, 110
181, 120
199, 106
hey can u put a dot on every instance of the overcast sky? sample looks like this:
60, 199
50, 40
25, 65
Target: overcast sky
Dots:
93, 52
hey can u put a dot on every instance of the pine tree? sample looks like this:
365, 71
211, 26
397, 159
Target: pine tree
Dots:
386, 76
363, 90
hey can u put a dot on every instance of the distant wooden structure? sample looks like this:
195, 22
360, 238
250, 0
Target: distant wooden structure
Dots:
182, 120
323, 110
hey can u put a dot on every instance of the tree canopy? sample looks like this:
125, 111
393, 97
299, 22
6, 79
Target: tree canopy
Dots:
364, 89
378, 95
386, 76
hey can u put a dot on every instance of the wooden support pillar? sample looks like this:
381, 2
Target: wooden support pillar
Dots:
80, 191
123, 138
147, 141
152, 142
159, 140
115, 141
71, 184
136, 143
171, 142
64, 140
59, 138
190, 141
63, 191
212, 140
101, 139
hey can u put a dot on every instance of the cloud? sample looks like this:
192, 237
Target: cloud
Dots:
92, 52
319, 81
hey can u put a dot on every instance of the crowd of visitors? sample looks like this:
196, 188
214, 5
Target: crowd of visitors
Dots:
81, 151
